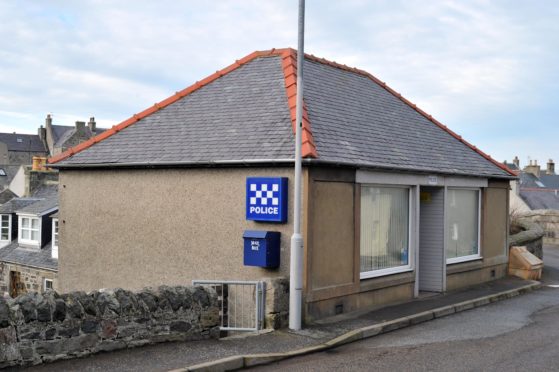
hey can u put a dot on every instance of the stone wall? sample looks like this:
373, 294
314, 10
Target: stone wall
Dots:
548, 219
33, 278
37, 328
531, 236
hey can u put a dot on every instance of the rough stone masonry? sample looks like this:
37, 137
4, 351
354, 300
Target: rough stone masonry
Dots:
37, 328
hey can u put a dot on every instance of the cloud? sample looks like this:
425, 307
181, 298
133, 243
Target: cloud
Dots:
469, 63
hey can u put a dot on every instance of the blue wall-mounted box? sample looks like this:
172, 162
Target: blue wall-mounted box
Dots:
266, 199
262, 248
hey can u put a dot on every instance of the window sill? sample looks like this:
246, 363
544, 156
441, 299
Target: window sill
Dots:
384, 272
457, 260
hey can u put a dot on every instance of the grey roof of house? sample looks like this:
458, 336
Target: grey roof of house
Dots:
42, 258
11, 171
511, 166
62, 133
29, 142
40, 207
244, 116
16, 204
59, 130
540, 199
530, 180
550, 180
6, 195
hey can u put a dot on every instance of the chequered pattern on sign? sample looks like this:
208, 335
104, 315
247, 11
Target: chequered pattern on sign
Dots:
260, 195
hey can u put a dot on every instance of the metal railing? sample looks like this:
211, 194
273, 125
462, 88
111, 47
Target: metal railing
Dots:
241, 303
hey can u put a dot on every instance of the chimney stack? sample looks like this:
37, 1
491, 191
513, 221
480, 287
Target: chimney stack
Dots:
92, 125
550, 167
42, 133
516, 162
533, 168
48, 121
80, 126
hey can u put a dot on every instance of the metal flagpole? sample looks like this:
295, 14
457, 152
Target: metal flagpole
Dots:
296, 266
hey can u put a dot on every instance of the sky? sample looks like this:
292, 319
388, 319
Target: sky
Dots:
489, 70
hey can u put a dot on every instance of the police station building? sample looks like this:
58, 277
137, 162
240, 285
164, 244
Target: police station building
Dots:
200, 186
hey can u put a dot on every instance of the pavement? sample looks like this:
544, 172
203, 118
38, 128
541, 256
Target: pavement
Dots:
248, 350
340, 330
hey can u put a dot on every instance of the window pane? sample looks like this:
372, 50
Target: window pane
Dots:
25, 222
384, 227
34, 235
462, 223
5, 235
25, 234
5, 220
34, 223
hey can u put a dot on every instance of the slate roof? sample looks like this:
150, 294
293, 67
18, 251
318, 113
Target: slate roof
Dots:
244, 114
511, 166
41, 258
550, 180
23, 142
530, 180
11, 171
540, 199
16, 204
6, 195
40, 207
62, 133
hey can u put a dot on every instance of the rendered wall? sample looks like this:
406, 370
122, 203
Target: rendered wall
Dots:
136, 228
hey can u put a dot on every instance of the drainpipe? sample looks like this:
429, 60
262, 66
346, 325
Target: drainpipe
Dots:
296, 264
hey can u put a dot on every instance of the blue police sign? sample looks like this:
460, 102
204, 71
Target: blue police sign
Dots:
266, 199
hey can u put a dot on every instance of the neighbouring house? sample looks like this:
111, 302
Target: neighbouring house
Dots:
17, 149
535, 196
29, 243
19, 153
59, 138
394, 202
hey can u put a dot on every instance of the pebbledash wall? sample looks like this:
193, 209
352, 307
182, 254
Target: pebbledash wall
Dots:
37, 328
181, 225
187, 224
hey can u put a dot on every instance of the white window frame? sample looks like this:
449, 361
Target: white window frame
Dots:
471, 257
55, 234
9, 228
411, 240
21, 240
45, 280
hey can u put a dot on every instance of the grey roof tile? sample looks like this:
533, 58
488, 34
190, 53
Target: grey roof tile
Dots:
10, 171
540, 199
17, 203
22, 142
550, 180
40, 207
28, 256
244, 116
6, 195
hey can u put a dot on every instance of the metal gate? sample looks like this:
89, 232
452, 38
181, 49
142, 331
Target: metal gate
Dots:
241, 303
